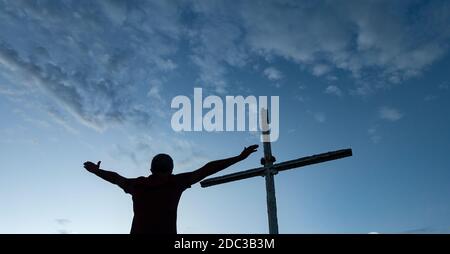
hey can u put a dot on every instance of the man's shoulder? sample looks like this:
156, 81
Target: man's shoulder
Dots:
183, 175
184, 179
140, 179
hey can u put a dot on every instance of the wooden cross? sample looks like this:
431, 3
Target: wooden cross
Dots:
269, 170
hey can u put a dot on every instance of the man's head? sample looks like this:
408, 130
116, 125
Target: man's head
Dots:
162, 164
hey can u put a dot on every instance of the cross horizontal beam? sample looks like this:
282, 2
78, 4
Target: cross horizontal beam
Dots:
301, 162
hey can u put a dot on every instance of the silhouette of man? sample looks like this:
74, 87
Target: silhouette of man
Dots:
155, 197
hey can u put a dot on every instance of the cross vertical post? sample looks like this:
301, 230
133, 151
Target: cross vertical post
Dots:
267, 161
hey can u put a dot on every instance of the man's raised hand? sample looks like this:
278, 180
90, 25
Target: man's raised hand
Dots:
92, 167
247, 151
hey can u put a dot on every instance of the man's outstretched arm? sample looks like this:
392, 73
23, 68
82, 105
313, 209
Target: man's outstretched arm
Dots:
109, 176
213, 167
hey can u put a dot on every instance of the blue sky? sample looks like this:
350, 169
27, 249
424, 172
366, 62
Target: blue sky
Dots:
93, 80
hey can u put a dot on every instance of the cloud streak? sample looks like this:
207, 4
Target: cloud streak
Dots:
74, 96
96, 69
353, 36
390, 114
333, 90
96, 59
273, 74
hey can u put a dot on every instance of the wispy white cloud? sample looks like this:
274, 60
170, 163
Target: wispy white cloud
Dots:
8, 91
63, 224
63, 221
98, 77
92, 103
389, 114
374, 136
273, 74
444, 86
62, 120
334, 90
154, 91
320, 69
430, 97
356, 36
320, 117
369, 40
216, 38
93, 75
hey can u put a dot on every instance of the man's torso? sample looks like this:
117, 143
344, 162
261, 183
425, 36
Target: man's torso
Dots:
155, 202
